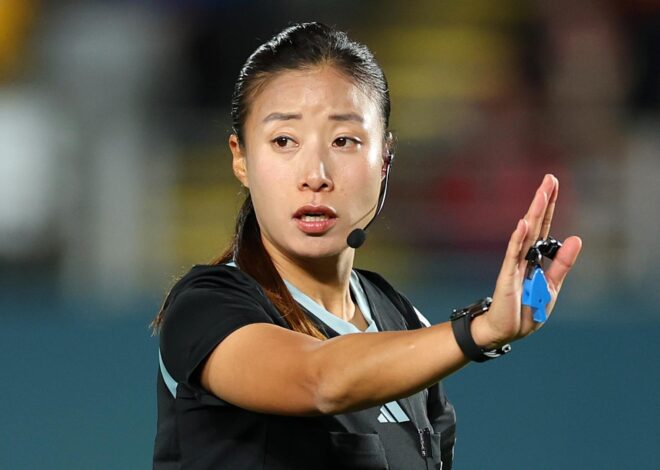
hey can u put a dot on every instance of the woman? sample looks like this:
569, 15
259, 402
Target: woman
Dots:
258, 368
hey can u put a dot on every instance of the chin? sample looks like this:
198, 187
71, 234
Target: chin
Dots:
318, 247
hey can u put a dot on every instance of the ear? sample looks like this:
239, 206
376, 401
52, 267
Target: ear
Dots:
388, 153
386, 163
239, 163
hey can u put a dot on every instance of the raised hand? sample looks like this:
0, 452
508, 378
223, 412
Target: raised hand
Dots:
507, 320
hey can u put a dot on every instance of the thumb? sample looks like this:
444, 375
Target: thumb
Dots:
563, 262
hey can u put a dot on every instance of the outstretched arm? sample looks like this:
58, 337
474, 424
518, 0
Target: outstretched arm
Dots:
270, 369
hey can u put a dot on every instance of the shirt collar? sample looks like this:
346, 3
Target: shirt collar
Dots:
340, 325
333, 321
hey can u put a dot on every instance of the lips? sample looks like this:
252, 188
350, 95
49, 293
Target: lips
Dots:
315, 220
318, 211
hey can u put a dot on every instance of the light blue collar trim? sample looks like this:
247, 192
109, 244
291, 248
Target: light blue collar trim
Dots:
167, 378
333, 321
339, 325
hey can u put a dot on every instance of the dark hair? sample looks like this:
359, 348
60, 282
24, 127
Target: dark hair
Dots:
297, 47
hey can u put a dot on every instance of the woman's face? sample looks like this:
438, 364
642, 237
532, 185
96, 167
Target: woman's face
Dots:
312, 160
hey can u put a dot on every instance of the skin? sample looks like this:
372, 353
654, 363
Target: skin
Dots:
287, 163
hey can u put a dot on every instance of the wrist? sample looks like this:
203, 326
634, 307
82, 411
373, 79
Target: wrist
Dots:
462, 321
481, 333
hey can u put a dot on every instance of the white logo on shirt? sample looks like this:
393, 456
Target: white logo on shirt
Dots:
392, 413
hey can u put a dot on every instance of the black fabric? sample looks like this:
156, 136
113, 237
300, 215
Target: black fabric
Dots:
197, 430
439, 410
204, 307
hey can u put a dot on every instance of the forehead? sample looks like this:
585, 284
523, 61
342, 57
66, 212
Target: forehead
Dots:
313, 93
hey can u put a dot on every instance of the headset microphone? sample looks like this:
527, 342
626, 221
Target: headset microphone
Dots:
358, 236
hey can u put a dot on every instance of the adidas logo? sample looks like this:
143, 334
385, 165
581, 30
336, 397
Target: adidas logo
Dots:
392, 413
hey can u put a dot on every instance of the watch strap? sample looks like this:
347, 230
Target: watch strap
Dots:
461, 321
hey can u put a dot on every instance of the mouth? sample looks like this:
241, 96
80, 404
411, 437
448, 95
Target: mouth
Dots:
315, 220
311, 213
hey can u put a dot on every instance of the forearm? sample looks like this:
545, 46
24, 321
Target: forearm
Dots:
361, 370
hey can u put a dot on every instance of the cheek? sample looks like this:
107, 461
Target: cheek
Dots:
264, 174
363, 185
268, 181
370, 172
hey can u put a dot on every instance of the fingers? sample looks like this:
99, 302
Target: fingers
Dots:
563, 262
513, 251
509, 280
536, 214
508, 288
549, 212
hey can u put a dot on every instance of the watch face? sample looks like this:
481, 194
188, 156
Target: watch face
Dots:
479, 308
473, 310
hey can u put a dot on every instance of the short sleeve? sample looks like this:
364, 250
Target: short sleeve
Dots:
421, 317
204, 308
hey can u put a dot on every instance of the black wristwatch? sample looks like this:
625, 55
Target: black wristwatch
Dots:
460, 324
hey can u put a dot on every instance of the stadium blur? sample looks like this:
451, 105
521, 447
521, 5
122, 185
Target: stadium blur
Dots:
115, 178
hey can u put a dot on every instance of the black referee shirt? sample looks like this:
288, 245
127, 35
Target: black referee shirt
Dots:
197, 430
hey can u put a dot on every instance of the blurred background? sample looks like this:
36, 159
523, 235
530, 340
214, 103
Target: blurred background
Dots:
115, 178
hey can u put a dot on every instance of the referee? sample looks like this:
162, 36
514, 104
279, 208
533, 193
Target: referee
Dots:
280, 354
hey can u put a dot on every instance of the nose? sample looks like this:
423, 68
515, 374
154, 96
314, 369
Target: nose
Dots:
314, 173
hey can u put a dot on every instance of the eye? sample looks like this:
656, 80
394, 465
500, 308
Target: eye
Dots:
345, 142
282, 141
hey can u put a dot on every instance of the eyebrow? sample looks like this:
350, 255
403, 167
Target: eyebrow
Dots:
347, 117
281, 117
333, 117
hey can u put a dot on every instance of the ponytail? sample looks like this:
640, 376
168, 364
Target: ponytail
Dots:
248, 251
